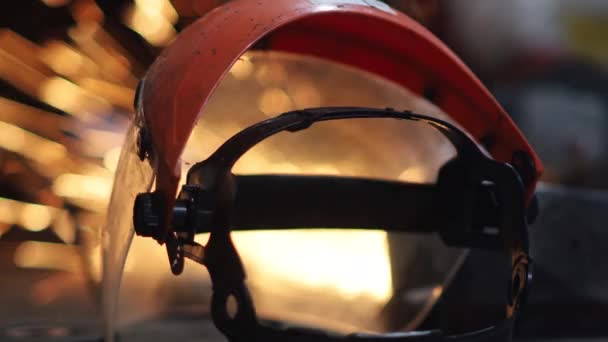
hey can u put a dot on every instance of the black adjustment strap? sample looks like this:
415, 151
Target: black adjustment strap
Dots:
294, 201
286, 201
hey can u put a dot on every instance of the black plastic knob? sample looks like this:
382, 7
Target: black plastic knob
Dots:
148, 214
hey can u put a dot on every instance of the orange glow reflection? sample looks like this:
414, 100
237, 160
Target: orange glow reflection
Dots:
113, 93
36, 148
163, 8
150, 22
113, 60
110, 159
43, 123
45, 255
69, 97
242, 68
35, 217
9, 211
67, 61
274, 101
83, 187
56, 3
354, 263
23, 50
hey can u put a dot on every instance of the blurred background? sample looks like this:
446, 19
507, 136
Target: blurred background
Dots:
68, 73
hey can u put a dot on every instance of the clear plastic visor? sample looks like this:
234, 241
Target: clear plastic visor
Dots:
339, 280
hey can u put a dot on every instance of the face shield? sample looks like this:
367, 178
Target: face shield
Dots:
351, 288
357, 280
307, 273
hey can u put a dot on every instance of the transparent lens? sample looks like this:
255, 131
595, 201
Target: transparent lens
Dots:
341, 280
133, 176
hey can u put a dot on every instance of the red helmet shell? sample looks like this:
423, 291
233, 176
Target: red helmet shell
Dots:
366, 34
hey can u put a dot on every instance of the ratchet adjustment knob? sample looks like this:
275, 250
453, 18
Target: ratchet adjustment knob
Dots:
148, 214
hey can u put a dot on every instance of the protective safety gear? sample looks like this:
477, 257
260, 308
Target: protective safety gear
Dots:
477, 201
